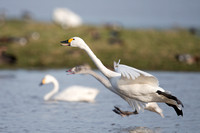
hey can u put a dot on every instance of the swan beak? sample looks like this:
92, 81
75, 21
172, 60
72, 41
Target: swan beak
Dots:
69, 72
65, 43
41, 84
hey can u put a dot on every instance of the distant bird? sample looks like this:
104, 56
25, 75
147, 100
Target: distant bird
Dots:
6, 58
66, 18
130, 83
187, 58
72, 94
20, 40
85, 69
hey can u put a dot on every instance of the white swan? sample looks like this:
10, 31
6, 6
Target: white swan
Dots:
73, 93
131, 83
85, 69
66, 18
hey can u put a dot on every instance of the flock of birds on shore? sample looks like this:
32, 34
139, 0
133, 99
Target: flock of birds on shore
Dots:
5, 41
138, 88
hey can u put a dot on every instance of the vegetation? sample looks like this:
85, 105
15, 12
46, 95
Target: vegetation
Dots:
147, 49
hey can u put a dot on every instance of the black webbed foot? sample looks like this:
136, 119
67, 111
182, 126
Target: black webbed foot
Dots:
123, 113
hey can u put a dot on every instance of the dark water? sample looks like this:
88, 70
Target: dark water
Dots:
23, 110
130, 13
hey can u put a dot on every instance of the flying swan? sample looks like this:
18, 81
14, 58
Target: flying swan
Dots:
131, 83
71, 94
85, 69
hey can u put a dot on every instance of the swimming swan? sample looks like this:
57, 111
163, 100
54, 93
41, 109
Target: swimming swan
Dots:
72, 94
131, 83
85, 69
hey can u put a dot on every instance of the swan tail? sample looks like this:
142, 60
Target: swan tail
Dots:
177, 107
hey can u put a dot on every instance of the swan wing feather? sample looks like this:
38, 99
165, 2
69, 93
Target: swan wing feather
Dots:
136, 75
136, 105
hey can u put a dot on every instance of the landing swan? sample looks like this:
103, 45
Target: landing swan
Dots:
85, 69
131, 83
72, 94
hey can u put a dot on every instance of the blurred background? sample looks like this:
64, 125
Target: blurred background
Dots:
159, 36
132, 14
152, 35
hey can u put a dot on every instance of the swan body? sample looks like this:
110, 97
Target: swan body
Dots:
85, 69
66, 18
72, 94
130, 83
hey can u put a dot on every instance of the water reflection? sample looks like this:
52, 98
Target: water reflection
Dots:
140, 130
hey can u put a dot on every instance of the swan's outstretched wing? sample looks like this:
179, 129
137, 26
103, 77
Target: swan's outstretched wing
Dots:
136, 75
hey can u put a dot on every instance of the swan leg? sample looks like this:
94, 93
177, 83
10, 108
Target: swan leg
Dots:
124, 113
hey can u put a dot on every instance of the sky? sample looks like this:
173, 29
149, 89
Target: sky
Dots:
138, 13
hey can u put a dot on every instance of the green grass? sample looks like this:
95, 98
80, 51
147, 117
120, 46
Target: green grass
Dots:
147, 49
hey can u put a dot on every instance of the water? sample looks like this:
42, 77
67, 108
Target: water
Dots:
132, 13
23, 110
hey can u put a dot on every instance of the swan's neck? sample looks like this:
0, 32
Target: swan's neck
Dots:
53, 92
104, 81
101, 79
108, 73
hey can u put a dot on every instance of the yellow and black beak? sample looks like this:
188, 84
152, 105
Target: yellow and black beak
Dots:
66, 42
42, 83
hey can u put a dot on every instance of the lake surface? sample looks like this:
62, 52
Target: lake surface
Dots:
23, 110
131, 13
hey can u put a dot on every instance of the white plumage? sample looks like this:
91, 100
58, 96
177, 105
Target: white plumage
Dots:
131, 83
85, 69
136, 75
72, 93
66, 18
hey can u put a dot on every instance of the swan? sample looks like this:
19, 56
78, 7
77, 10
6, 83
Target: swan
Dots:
66, 18
130, 83
85, 69
72, 94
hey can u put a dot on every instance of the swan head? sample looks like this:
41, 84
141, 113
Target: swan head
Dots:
47, 79
74, 42
79, 69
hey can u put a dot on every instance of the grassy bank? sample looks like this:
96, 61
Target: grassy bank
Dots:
144, 49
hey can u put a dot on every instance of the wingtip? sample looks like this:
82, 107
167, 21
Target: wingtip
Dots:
119, 61
179, 111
